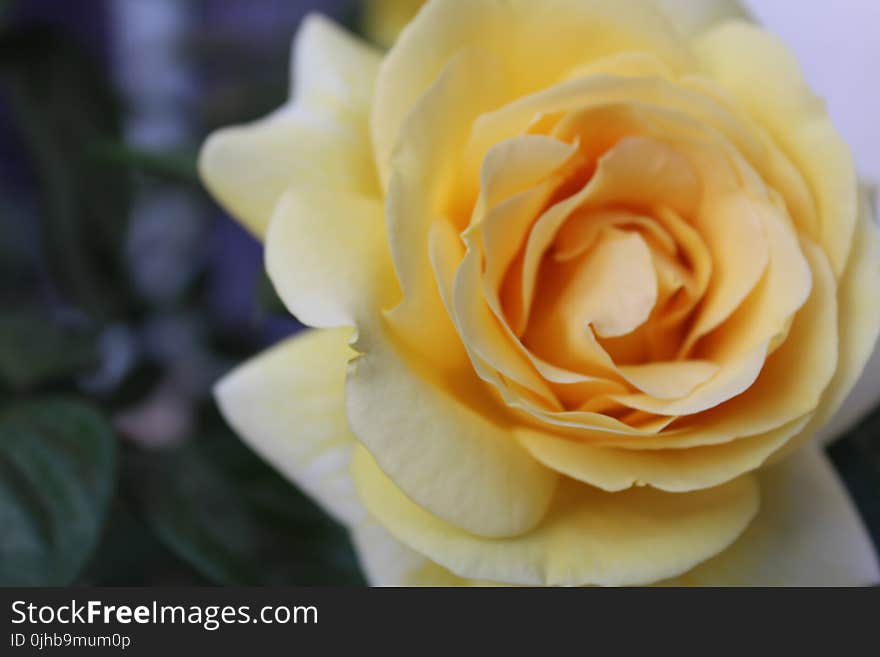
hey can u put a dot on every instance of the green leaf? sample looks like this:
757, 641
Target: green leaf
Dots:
62, 104
129, 554
57, 464
35, 350
171, 166
228, 514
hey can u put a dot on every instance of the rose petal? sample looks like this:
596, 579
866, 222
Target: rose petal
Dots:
789, 385
807, 533
388, 562
484, 335
858, 325
327, 256
320, 137
455, 456
734, 231
422, 185
669, 379
588, 537
566, 33
673, 470
613, 289
517, 165
288, 405
763, 74
695, 16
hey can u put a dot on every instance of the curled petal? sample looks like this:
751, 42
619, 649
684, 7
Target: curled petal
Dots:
328, 258
288, 405
588, 536
764, 76
807, 533
453, 455
566, 33
319, 137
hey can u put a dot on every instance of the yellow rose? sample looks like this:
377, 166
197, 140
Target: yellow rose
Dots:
582, 272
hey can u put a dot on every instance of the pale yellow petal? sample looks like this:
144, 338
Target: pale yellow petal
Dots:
669, 379
858, 326
614, 290
454, 456
581, 232
633, 64
862, 399
518, 164
732, 379
288, 405
695, 16
734, 231
790, 385
807, 533
673, 470
319, 138
589, 537
784, 289
484, 335
536, 41
573, 295
423, 183
327, 256
388, 562
763, 74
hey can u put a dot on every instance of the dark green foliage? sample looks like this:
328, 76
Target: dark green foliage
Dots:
57, 463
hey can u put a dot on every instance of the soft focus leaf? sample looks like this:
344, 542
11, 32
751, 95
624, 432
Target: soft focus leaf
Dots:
129, 554
220, 508
171, 166
57, 464
35, 350
61, 104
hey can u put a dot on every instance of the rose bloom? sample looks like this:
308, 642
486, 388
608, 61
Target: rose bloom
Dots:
586, 276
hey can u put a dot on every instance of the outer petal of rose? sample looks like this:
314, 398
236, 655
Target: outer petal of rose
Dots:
388, 562
566, 33
327, 255
456, 456
763, 74
807, 533
588, 537
288, 405
792, 542
321, 136
861, 400
858, 325
695, 16
423, 183
673, 470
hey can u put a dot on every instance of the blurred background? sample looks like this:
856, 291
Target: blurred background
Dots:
125, 292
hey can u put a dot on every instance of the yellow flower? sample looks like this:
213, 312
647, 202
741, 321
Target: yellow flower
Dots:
582, 273
384, 19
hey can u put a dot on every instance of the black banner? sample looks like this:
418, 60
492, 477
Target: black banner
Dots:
171, 621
